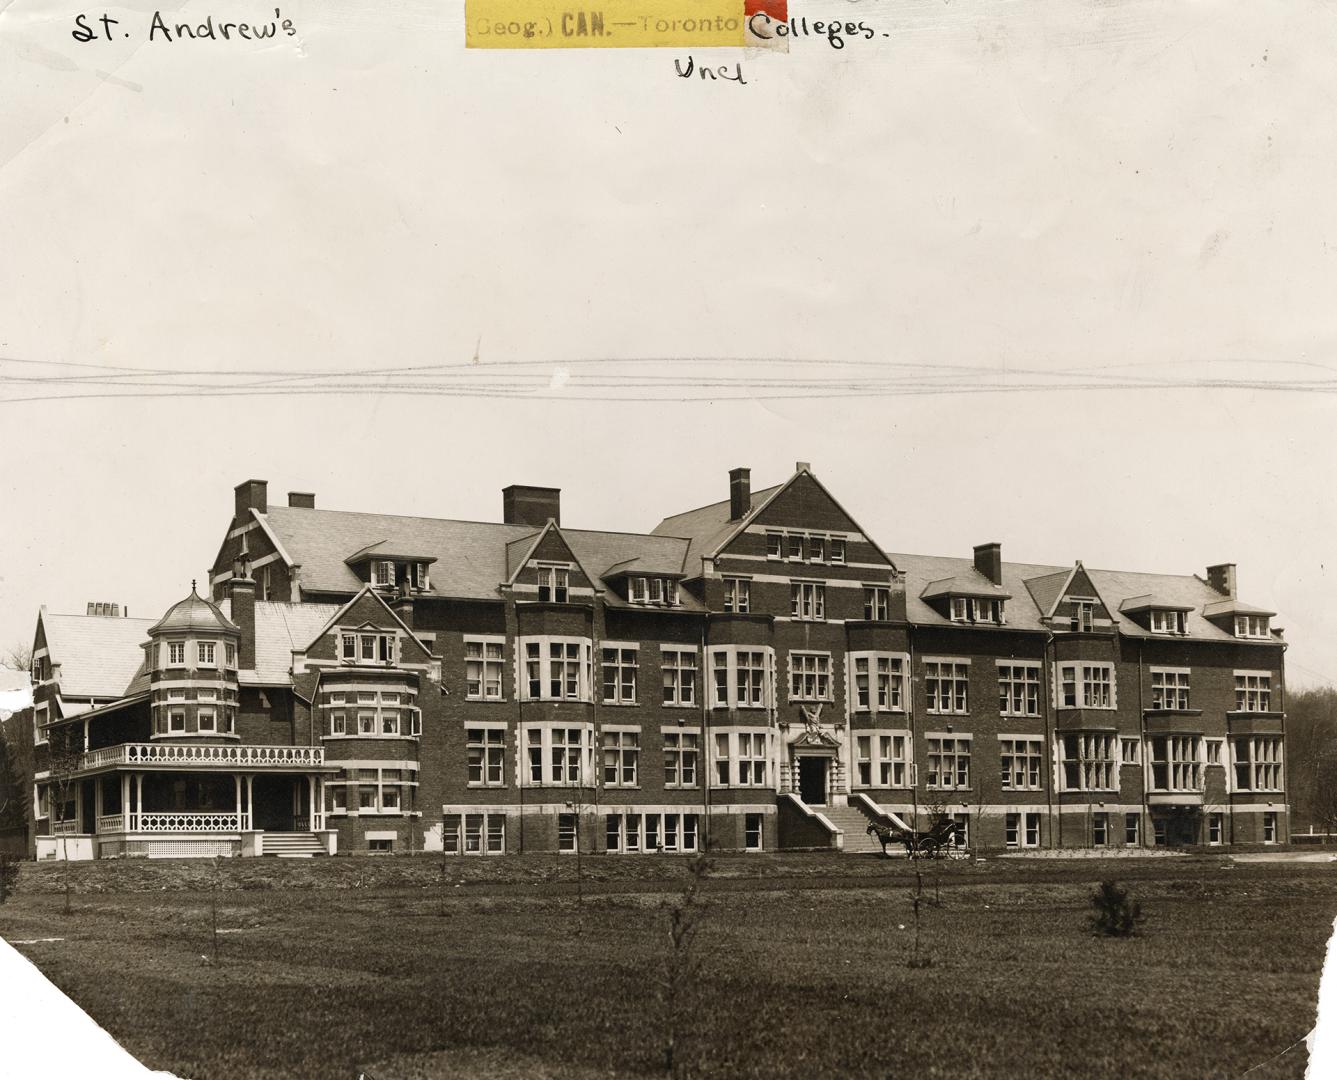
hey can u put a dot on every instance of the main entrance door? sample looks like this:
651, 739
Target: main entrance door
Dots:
273, 802
812, 780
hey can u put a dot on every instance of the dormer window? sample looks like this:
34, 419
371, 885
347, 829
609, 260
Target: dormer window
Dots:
1252, 626
382, 573
976, 610
420, 576
1168, 622
661, 591
554, 583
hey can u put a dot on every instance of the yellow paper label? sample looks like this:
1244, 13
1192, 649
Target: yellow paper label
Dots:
610, 24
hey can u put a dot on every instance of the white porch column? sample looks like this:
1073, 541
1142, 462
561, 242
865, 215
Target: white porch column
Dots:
139, 797
241, 813
311, 803
250, 799
125, 802
97, 801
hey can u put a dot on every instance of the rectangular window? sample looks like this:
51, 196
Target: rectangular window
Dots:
795, 547
1257, 762
737, 594
1021, 761
390, 722
1088, 762
204, 652
1253, 691
1132, 827
1168, 622
949, 762
1128, 751
556, 754
880, 759
1176, 763
554, 583
946, 684
1251, 626
1214, 751
483, 668
176, 720
566, 832
741, 678
1215, 824
879, 682
1032, 834
1269, 826
206, 720
752, 831
1083, 615
740, 758
338, 722
176, 653
231, 655
1100, 830
775, 545
640, 591
961, 832
807, 600
809, 676
1019, 689
681, 753
556, 669
366, 723
837, 551
876, 603
679, 676
486, 755
619, 675
817, 549
1086, 686
382, 572
1012, 830
622, 751
1169, 688
338, 798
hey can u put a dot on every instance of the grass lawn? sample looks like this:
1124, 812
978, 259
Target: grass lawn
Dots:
336, 965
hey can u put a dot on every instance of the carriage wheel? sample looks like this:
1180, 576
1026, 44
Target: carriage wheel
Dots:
928, 847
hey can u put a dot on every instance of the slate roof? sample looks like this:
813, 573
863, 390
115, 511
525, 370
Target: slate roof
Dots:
706, 527
99, 656
193, 613
470, 555
281, 628
1034, 589
972, 584
472, 558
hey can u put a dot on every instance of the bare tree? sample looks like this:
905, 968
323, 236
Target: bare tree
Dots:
64, 751
18, 657
681, 964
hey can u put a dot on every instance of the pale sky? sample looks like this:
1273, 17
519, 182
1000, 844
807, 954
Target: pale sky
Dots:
1115, 204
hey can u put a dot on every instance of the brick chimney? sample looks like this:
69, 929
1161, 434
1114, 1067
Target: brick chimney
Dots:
241, 590
251, 495
304, 499
740, 493
525, 505
1222, 578
989, 561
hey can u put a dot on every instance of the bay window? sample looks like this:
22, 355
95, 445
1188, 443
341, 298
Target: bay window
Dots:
1176, 762
556, 669
879, 682
1088, 762
1086, 686
741, 677
1257, 762
1169, 688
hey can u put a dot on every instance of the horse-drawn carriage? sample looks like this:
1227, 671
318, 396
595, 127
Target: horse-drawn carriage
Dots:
918, 844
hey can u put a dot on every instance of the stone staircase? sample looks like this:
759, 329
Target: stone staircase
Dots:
854, 824
292, 845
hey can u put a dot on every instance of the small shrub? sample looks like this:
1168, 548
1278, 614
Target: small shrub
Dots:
1115, 914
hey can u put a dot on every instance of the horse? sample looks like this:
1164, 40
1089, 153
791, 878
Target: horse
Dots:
886, 835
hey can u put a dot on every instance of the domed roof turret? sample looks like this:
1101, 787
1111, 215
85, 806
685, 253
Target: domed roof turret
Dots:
194, 613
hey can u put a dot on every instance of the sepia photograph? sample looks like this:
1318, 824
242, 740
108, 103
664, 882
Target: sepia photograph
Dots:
668, 538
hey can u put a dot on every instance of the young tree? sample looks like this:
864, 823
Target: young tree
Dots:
682, 963
64, 750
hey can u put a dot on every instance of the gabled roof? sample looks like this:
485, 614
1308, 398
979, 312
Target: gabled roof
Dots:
708, 527
98, 655
609, 553
366, 590
1048, 589
384, 549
